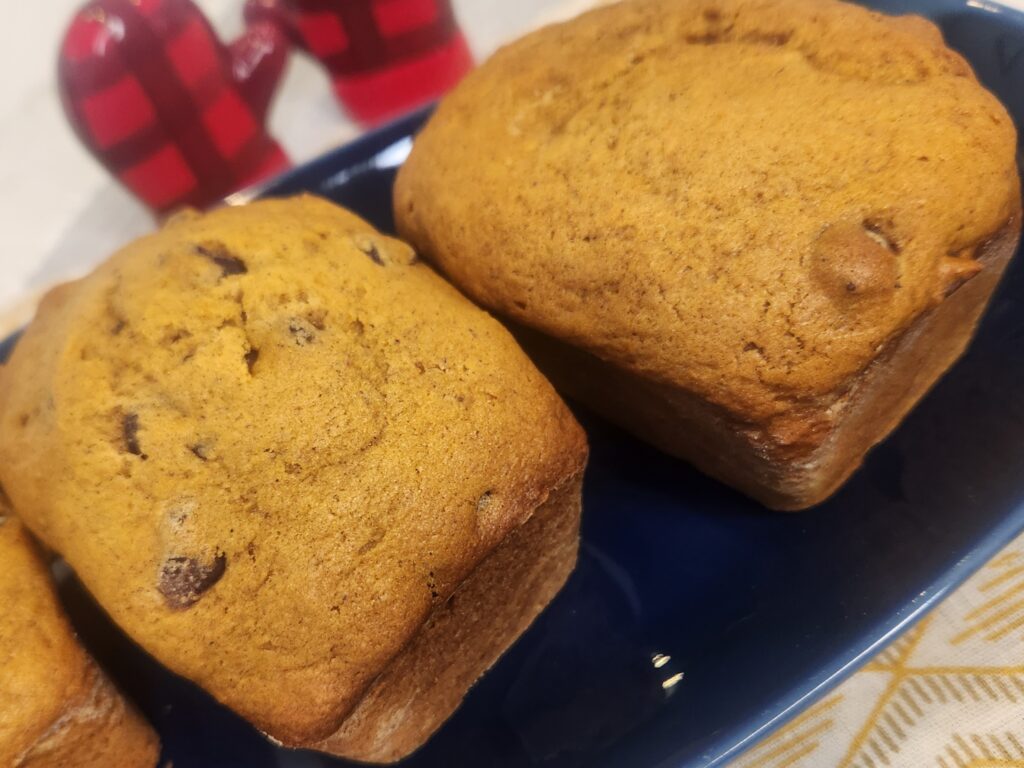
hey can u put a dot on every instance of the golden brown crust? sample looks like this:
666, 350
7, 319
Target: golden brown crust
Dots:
59, 710
426, 682
738, 203
293, 442
901, 374
805, 461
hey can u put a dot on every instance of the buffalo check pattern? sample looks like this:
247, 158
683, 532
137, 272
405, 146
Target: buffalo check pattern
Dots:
149, 87
353, 38
383, 56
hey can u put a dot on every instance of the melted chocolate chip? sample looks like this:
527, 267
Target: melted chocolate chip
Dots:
753, 346
130, 434
251, 357
219, 254
851, 262
184, 580
367, 246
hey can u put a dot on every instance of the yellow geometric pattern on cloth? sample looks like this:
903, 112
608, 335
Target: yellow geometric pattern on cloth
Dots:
949, 693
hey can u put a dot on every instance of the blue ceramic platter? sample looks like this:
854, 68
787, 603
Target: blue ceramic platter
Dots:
758, 614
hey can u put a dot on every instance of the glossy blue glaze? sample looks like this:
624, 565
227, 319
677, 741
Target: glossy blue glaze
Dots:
760, 613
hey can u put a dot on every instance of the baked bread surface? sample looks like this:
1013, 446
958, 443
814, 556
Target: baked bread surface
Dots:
273, 444
742, 204
58, 709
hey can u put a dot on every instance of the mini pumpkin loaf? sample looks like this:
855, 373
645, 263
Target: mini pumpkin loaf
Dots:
57, 709
754, 232
297, 467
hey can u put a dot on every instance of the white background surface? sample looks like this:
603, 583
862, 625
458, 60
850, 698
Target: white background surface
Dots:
61, 210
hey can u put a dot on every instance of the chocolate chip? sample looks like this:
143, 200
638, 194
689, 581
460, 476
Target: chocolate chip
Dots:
852, 262
183, 580
251, 357
130, 434
367, 246
753, 346
219, 254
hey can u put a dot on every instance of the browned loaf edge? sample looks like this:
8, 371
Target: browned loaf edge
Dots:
744, 240
340, 662
463, 638
97, 729
72, 715
688, 427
